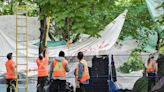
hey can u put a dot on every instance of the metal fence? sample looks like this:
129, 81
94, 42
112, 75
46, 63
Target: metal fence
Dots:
124, 80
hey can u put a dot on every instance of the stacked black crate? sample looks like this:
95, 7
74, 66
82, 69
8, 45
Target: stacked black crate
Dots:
99, 74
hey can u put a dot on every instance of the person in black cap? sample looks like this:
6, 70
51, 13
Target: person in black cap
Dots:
10, 73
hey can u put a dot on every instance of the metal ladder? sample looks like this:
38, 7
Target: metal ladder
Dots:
22, 47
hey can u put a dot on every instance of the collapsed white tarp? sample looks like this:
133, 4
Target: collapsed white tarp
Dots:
96, 46
90, 46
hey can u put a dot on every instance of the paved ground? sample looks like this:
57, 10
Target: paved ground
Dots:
32, 88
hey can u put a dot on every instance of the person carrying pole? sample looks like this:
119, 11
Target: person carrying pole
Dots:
10, 73
82, 72
42, 63
151, 71
58, 69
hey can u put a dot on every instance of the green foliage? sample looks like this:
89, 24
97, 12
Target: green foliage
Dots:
7, 9
10, 8
148, 37
1, 4
147, 40
137, 17
74, 16
141, 85
162, 49
33, 8
89, 16
134, 63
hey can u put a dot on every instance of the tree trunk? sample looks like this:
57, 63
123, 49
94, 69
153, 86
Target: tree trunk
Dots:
158, 42
43, 31
11, 7
67, 28
76, 38
51, 36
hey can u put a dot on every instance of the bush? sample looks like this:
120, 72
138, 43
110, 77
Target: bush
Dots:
141, 85
134, 63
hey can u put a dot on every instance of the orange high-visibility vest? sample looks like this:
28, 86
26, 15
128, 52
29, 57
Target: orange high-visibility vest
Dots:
151, 67
10, 70
42, 67
85, 74
59, 68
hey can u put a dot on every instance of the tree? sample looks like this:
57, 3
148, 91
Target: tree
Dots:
74, 17
133, 63
44, 12
10, 8
140, 26
137, 17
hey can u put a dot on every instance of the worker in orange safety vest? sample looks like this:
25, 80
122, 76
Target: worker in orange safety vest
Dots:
42, 63
58, 69
82, 73
10, 73
151, 71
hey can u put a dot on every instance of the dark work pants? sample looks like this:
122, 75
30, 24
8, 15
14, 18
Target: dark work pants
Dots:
151, 81
83, 87
41, 83
11, 84
58, 86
